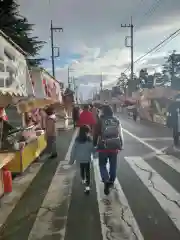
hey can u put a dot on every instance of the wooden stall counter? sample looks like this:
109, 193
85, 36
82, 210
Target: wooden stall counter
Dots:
5, 158
28, 154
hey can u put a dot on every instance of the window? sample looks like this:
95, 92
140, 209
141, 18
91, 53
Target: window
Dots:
2, 67
8, 55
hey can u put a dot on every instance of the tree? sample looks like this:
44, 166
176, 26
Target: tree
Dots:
172, 64
143, 75
171, 70
19, 30
123, 82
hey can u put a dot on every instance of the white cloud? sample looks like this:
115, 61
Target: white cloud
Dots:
93, 30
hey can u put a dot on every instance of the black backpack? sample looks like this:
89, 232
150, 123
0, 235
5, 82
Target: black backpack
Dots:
111, 133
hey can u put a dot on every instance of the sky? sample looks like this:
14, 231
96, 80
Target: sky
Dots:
92, 41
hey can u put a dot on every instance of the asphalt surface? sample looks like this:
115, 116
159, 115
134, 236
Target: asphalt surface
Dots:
145, 203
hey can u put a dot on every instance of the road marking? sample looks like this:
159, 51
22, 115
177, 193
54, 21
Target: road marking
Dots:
58, 193
171, 161
143, 142
165, 194
167, 159
117, 220
67, 157
157, 139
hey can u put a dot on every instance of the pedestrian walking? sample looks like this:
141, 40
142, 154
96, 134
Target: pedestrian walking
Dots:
110, 141
81, 153
86, 117
95, 126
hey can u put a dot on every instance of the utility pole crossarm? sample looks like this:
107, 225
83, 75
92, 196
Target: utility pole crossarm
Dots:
125, 25
52, 29
57, 29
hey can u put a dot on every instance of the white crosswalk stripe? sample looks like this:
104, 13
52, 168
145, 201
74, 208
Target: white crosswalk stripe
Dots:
166, 195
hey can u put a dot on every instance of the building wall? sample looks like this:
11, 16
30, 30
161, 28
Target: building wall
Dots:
37, 80
105, 95
45, 86
13, 68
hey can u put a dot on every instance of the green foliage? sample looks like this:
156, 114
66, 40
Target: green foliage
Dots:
19, 30
172, 64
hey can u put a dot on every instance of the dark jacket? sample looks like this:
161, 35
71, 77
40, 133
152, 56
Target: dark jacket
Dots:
75, 114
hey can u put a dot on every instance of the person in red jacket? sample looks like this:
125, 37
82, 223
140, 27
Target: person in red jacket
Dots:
86, 117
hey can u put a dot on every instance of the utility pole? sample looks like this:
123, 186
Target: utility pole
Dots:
172, 65
131, 26
101, 83
69, 82
172, 62
52, 29
75, 89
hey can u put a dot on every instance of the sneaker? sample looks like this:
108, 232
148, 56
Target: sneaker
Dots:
87, 189
54, 155
111, 184
83, 181
106, 188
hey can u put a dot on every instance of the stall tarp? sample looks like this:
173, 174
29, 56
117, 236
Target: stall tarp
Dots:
31, 104
129, 101
7, 96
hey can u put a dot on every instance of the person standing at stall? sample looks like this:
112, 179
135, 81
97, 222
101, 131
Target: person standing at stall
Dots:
51, 132
75, 115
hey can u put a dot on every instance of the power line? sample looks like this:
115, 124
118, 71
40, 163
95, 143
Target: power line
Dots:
157, 46
167, 42
151, 10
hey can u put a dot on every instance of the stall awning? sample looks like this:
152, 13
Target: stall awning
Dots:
7, 95
31, 104
11, 92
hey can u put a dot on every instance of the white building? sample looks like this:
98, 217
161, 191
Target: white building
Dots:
14, 75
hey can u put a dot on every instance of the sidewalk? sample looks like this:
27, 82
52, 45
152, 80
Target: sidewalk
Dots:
61, 126
20, 221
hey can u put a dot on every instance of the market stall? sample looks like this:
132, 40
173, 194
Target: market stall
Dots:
13, 86
46, 91
31, 144
5, 158
28, 153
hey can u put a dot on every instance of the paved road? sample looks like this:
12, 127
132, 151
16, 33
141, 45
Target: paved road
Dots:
145, 203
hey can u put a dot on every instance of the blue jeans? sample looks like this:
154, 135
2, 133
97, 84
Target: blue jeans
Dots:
103, 159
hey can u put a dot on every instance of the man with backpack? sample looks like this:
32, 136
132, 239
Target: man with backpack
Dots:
110, 141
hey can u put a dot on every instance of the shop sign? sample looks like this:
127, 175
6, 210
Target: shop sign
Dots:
52, 89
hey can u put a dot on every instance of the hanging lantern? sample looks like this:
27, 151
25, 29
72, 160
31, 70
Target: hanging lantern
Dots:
3, 114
